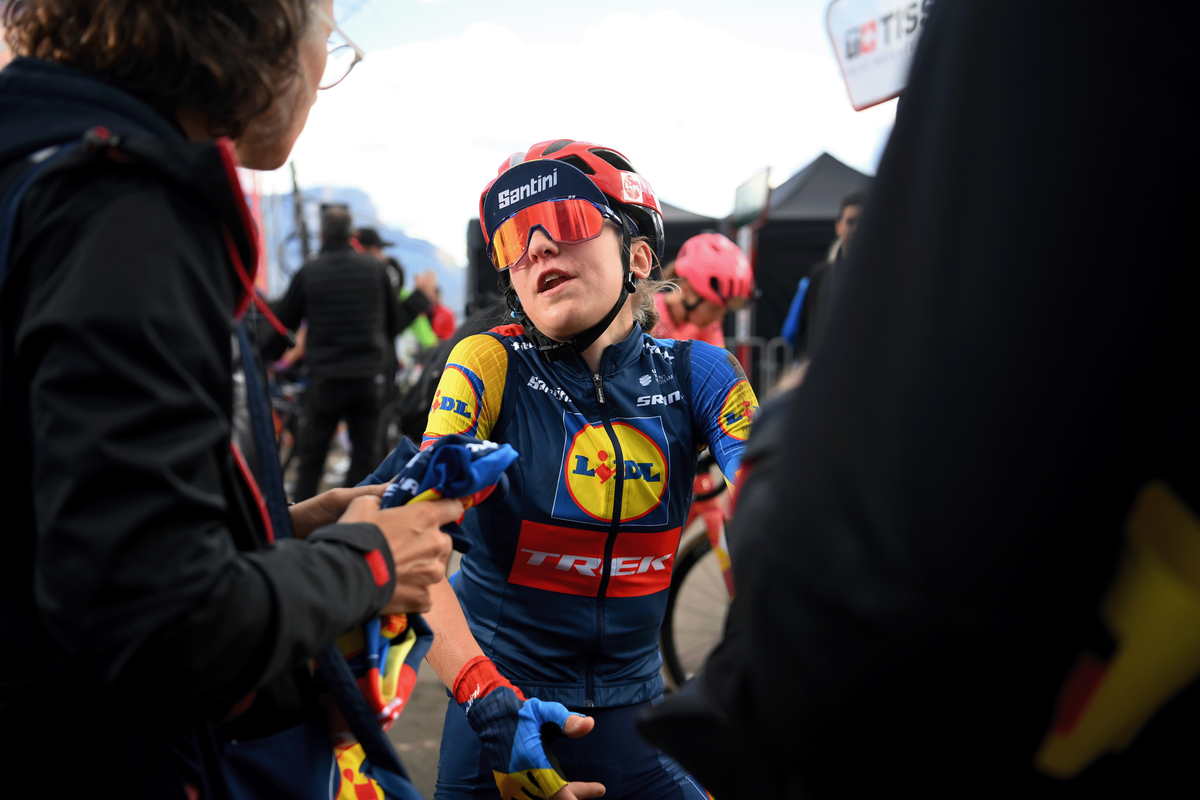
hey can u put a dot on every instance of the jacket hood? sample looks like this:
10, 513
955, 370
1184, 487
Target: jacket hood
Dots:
43, 104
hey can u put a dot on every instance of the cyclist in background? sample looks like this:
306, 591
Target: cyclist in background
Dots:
562, 596
713, 277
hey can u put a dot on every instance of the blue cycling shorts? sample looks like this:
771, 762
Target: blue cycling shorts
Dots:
612, 754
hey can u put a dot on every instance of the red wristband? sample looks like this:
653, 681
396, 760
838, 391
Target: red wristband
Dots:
478, 678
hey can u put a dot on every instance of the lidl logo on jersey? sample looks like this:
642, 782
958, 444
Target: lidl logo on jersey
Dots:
455, 407
587, 482
738, 411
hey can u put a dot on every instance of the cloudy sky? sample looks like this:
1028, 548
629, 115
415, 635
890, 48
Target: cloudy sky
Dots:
700, 95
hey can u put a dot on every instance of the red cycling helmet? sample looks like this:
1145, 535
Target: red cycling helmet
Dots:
609, 170
715, 268
628, 194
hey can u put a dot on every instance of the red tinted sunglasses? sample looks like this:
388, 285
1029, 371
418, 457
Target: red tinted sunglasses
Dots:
566, 221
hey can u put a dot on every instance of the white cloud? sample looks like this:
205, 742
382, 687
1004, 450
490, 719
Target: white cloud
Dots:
422, 127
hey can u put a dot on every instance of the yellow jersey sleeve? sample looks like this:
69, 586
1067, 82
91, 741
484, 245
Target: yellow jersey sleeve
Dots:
470, 391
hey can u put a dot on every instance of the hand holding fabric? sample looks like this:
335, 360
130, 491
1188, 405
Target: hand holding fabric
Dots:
326, 508
419, 548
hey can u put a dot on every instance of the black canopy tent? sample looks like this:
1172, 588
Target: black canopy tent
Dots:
798, 234
680, 225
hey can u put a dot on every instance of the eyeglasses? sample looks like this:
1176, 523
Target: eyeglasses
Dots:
343, 53
567, 221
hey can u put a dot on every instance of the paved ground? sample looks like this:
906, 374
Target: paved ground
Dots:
418, 732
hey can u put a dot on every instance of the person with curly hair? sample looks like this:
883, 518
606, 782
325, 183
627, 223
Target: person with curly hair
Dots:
154, 584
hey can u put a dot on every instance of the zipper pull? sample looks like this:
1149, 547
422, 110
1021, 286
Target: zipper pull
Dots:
599, 387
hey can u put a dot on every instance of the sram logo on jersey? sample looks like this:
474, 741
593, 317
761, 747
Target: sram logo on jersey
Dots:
571, 561
658, 399
455, 407
535, 186
588, 477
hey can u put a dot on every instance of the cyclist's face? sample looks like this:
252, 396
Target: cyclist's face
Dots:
846, 225
268, 140
567, 288
703, 312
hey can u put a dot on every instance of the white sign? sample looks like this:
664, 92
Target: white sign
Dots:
875, 41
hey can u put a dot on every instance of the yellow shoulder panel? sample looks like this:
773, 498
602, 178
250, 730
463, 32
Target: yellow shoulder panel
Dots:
471, 389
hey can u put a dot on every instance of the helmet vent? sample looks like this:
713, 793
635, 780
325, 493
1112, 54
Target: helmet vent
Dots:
615, 159
554, 147
576, 161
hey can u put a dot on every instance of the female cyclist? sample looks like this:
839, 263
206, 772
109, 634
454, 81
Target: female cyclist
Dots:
713, 277
564, 591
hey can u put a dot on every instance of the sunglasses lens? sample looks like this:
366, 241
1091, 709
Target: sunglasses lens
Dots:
564, 221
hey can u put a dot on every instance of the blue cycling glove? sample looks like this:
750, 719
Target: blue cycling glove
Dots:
514, 731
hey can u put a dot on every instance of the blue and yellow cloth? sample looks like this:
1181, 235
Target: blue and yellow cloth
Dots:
384, 654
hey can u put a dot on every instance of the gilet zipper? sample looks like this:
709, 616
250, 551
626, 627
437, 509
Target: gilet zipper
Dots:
610, 542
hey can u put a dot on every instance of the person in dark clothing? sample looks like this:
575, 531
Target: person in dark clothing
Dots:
353, 319
141, 593
926, 555
808, 313
372, 244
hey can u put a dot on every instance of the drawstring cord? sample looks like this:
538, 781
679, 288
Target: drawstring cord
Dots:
252, 291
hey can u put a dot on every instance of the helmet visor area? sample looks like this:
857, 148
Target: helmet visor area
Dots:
566, 221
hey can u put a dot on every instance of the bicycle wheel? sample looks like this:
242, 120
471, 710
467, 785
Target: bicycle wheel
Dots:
695, 615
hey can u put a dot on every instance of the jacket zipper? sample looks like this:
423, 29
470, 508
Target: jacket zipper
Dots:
614, 528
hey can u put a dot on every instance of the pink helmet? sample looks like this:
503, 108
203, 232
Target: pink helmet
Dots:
715, 268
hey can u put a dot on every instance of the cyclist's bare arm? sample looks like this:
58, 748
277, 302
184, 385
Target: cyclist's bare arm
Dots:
453, 643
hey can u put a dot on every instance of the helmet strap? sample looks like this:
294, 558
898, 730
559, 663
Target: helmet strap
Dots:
556, 351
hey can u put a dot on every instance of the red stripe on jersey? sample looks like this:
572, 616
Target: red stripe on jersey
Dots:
509, 330
557, 559
642, 562
570, 560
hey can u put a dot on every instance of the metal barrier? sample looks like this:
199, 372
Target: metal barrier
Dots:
765, 361
776, 366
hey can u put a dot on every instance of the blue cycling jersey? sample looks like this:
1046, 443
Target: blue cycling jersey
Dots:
566, 582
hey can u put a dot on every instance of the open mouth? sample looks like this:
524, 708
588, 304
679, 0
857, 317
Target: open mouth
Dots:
551, 279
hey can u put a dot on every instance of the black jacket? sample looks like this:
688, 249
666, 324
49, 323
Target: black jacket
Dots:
134, 551
921, 552
814, 311
353, 316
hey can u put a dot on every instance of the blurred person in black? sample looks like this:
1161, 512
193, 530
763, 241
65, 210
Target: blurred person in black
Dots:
142, 597
809, 310
925, 556
353, 319
373, 244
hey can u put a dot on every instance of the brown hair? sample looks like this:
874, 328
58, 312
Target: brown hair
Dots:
227, 59
645, 313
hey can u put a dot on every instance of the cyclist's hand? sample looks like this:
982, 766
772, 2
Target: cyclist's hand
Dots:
326, 508
426, 283
573, 728
419, 548
578, 790
516, 732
